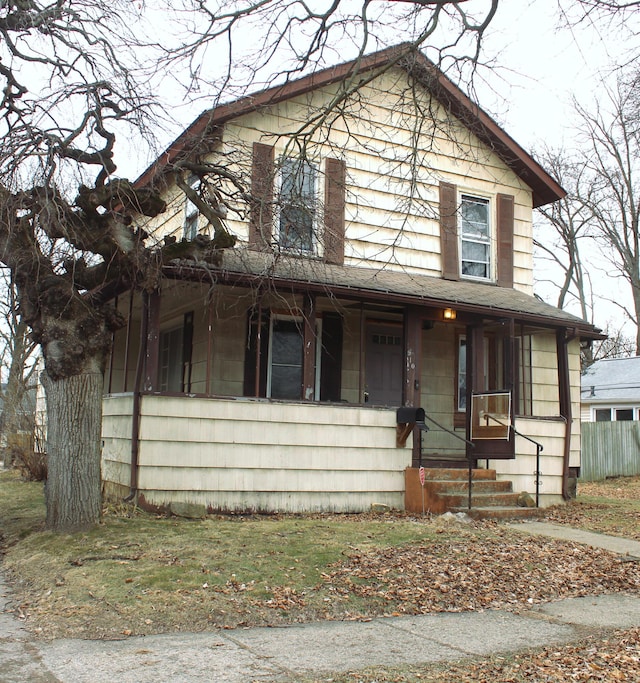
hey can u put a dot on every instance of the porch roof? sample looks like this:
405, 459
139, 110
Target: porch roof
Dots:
389, 282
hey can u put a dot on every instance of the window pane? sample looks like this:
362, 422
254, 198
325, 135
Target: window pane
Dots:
171, 360
475, 237
286, 360
475, 269
624, 414
462, 374
297, 204
475, 251
603, 415
287, 343
475, 217
191, 212
286, 382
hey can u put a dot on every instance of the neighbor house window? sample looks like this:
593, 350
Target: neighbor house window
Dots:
191, 213
475, 236
614, 414
297, 205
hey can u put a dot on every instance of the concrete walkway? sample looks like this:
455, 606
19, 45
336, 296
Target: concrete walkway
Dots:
291, 653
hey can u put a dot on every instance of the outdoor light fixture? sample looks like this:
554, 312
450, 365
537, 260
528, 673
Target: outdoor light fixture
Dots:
449, 314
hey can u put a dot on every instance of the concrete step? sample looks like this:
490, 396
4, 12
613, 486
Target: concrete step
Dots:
478, 486
457, 474
500, 512
481, 500
447, 489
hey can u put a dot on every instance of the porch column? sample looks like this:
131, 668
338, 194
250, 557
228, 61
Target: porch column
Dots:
152, 354
411, 394
412, 357
309, 354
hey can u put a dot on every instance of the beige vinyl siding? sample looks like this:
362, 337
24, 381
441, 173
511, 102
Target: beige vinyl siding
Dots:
391, 222
241, 455
551, 434
546, 400
116, 444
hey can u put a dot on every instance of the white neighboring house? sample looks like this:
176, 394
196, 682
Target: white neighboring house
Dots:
610, 390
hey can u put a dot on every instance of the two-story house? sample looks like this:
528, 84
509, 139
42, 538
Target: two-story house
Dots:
385, 262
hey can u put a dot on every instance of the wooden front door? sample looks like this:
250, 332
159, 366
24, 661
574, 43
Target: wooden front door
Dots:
383, 366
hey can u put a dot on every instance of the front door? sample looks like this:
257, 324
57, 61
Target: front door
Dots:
383, 366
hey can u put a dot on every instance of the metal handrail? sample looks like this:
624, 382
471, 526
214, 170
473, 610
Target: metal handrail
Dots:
460, 438
537, 444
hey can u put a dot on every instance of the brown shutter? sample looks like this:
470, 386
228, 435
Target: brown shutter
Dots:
334, 203
261, 214
331, 358
505, 240
449, 231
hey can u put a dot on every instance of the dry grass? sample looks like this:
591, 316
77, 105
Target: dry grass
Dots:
140, 574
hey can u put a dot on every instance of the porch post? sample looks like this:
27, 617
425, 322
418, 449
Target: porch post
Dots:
128, 342
309, 355
411, 394
564, 391
412, 357
152, 355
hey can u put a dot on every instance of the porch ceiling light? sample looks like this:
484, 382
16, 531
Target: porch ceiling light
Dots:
449, 314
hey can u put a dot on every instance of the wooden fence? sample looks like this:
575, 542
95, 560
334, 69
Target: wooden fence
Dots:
609, 449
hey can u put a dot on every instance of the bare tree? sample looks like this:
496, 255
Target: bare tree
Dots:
75, 77
560, 235
610, 185
18, 368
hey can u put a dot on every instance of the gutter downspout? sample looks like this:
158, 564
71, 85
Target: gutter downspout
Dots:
562, 343
137, 399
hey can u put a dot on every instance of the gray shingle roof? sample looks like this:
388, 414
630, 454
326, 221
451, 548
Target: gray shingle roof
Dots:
394, 285
612, 380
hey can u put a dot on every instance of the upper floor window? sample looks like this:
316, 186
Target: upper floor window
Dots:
475, 237
297, 198
191, 213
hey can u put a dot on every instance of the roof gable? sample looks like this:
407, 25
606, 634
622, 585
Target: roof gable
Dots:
545, 188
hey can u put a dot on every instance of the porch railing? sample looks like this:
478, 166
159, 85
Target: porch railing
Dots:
539, 448
460, 438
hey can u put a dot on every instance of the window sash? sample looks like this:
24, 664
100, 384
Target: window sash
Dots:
475, 237
298, 202
191, 213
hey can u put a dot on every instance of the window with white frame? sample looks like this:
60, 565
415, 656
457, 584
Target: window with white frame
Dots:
475, 237
613, 414
191, 213
298, 179
286, 350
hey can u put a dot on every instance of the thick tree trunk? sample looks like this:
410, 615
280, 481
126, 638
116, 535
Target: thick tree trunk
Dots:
74, 425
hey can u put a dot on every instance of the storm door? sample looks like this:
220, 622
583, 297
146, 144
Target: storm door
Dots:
490, 368
383, 366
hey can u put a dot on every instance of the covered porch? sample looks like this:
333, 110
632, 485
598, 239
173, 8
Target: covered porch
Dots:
246, 388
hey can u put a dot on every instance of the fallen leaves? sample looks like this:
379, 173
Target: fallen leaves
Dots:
497, 570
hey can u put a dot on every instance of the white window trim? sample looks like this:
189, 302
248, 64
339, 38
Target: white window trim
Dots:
318, 331
613, 408
316, 243
462, 194
191, 211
